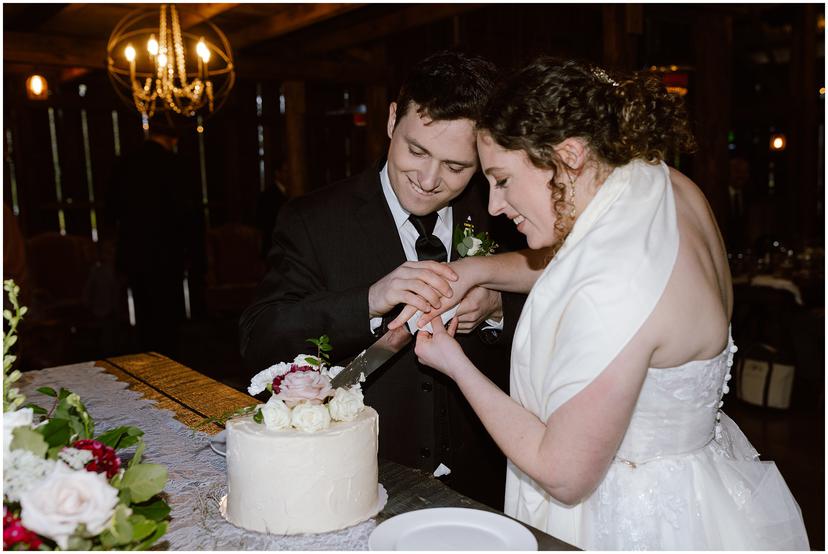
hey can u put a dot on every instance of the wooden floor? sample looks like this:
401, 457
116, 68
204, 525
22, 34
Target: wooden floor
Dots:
794, 439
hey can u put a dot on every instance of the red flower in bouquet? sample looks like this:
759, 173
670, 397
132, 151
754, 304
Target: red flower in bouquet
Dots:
15, 534
104, 457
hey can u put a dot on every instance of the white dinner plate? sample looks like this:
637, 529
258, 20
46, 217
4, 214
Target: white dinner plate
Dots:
451, 529
218, 443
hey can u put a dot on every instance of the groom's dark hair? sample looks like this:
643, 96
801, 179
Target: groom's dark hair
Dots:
447, 85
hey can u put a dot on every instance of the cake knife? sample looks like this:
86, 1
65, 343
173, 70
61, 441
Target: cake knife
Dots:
382, 350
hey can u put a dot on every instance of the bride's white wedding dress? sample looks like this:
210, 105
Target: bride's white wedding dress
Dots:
685, 477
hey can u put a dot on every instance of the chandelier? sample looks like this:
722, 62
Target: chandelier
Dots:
167, 68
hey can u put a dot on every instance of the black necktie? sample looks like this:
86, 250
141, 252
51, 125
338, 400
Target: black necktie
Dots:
428, 246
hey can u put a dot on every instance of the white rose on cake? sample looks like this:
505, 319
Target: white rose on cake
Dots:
275, 413
346, 403
65, 499
310, 417
261, 380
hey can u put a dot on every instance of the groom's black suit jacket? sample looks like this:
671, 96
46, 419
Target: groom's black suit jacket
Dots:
329, 247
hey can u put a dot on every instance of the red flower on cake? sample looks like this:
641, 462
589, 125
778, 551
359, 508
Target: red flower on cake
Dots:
302, 383
14, 534
104, 457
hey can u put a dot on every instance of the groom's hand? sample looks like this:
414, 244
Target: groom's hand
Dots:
477, 306
419, 284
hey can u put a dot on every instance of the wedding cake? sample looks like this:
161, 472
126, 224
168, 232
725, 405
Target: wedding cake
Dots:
306, 461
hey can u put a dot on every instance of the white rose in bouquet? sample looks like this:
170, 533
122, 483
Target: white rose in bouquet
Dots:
11, 420
310, 417
65, 499
346, 403
275, 413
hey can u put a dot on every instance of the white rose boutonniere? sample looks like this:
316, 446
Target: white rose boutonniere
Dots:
310, 417
65, 499
469, 243
346, 403
275, 413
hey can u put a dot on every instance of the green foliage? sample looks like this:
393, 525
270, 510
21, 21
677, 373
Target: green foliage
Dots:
463, 239
28, 439
156, 510
143, 481
222, 419
323, 347
12, 399
69, 408
121, 437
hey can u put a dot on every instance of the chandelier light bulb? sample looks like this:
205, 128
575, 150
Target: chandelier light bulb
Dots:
129, 53
152, 46
162, 60
203, 51
36, 84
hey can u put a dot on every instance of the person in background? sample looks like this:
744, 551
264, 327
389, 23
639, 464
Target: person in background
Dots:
154, 203
613, 430
345, 258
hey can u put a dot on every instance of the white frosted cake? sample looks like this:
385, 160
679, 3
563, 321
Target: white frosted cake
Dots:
307, 462
288, 481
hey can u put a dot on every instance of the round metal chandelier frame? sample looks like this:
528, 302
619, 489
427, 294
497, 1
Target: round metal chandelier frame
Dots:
199, 87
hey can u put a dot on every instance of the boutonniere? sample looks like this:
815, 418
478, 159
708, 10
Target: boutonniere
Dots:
469, 243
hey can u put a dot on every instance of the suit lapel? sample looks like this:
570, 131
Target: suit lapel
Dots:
380, 235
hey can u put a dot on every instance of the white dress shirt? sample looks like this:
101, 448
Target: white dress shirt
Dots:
409, 235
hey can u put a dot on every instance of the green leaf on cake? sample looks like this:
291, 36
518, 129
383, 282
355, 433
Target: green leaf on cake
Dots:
48, 391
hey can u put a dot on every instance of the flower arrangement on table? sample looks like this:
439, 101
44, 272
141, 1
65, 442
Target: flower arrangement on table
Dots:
301, 394
63, 487
468, 243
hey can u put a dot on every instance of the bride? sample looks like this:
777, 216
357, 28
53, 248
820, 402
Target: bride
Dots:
613, 430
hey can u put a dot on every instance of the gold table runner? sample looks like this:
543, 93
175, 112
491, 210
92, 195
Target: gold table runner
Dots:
191, 396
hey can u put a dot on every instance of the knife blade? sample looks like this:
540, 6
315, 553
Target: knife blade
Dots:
372, 358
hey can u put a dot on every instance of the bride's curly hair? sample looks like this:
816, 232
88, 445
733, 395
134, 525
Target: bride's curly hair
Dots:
621, 117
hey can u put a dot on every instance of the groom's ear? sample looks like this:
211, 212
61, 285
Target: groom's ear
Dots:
392, 118
572, 151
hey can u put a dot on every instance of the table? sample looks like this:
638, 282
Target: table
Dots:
167, 399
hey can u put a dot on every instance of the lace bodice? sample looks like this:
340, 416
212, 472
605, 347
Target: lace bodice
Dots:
678, 409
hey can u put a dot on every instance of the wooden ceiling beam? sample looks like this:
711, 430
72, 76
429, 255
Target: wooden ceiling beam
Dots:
383, 26
193, 14
309, 70
291, 17
61, 51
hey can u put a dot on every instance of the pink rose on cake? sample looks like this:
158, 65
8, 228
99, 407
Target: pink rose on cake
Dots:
301, 394
302, 384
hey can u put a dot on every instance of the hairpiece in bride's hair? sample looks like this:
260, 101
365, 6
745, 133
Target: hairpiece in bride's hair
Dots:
571, 195
603, 76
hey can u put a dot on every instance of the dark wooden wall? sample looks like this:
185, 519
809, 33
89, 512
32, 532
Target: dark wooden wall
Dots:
322, 141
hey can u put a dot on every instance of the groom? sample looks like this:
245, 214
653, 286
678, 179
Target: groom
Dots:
346, 257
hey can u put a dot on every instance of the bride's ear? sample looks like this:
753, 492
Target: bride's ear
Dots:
573, 152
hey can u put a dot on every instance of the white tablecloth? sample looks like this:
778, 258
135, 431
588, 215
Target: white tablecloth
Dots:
196, 473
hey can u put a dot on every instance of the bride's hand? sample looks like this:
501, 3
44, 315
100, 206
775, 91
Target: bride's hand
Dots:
439, 349
464, 283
